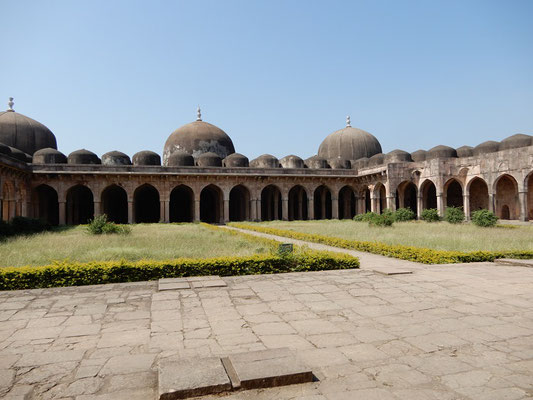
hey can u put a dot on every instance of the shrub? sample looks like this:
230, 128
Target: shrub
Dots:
404, 214
366, 217
100, 225
385, 219
484, 218
430, 215
454, 215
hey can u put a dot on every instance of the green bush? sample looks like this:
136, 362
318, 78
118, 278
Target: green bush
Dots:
100, 225
22, 226
385, 219
430, 215
366, 217
484, 218
404, 214
454, 215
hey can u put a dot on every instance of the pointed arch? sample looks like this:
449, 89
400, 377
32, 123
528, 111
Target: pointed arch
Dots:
506, 197
347, 203
211, 204
147, 207
271, 205
454, 193
80, 205
181, 206
115, 204
239, 203
478, 192
406, 196
429, 194
45, 204
322, 202
298, 203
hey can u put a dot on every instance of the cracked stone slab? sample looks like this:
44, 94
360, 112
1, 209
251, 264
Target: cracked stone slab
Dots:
184, 378
269, 368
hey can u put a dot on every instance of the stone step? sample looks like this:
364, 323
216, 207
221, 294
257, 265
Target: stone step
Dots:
194, 282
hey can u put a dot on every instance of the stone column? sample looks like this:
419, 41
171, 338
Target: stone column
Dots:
440, 204
196, 210
258, 209
373, 204
334, 208
466, 206
310, 208
12, 209
130, 211
419, 206
391, 203
285, 209
522, 201
491, 203
62, 213
225, 217
166, 207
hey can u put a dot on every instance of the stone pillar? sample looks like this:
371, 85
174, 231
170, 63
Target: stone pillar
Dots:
373, 204
285, 209
334, 208
196, 210
466, 206
97, 208
258, 209
225, 217
391, 203
419, 206
62, 213
491, 203
310, 208
166, 207
276, 207
24, 209
522, 201
440, 204
130, 211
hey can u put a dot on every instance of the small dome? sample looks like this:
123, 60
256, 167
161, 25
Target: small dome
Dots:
339, 163
441, 151
197, 138
5, 150
398, 156
115, 158
236, 160
19, 155
489, 146
349, 144
83, 157
179, 159
361, 163
465, 151
146, 157
209, 160
292, 161
49, 156
378, 159
316, 162
516, 141
24, 133
419, 155
265, 161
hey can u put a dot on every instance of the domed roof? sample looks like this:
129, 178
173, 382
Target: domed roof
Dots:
465, 151
49, 156
339, 163
441, 151
83, 156
19, 155
179, 159
361, 163
199, 137
236, 160
146, 157
316, 162
5, 150
265, 161
398, 156
419, 155
515, 141
490, 146
24, 133
115, 158
292, 161
209, 159
377, 159
349, 144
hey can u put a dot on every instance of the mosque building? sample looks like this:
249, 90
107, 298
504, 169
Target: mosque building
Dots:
202, 178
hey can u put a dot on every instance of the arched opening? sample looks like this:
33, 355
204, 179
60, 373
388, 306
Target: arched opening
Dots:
322, 200
367, 201
146, 204
80, 205
181, 204
429, 195
271, 207
478, 195
7, 201
239, 204
406, 196
297, 203
211, 204
507, 198
382, 199
115, 204
347, 203
529, 187
454, 194
46, 206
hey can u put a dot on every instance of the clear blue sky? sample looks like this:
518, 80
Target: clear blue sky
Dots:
277, 76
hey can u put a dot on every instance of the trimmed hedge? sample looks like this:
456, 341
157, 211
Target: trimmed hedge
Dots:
410, 253
99, 272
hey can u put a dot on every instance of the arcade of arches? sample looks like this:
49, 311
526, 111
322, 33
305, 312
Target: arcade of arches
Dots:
239, 202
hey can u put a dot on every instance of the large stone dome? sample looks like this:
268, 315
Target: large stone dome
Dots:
24, 133
197, 138
349, 144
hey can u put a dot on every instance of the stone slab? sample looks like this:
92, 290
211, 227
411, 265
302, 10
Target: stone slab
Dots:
515, 262
390, 271
269, 368
173, 284
184, 378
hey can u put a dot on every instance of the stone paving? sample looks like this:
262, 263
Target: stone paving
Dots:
443, 332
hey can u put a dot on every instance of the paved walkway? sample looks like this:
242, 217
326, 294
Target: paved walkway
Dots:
443, 332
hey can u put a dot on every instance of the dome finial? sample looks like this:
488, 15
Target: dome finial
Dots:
10, 103
198, 114
348, 122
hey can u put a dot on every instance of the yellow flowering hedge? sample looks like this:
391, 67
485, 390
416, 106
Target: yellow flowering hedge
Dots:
411, 253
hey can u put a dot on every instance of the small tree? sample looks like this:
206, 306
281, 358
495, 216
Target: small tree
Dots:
454, 215
404, 214
484, 218
385, 219
430, 215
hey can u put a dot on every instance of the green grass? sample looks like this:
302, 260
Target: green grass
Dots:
146, 241
437, 235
